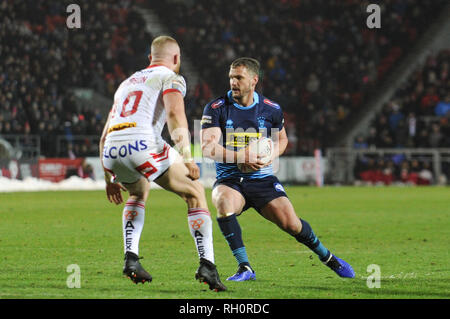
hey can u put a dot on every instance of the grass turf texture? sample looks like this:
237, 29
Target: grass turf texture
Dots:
402, 230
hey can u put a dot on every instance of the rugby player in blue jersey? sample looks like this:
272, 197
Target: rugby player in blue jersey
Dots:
229, 124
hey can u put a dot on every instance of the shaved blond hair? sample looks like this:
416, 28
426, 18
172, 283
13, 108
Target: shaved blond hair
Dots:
164, 46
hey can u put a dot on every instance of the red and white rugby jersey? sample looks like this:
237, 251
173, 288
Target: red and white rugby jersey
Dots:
138, 108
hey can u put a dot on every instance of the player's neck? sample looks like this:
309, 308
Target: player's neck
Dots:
246, 100
159, 63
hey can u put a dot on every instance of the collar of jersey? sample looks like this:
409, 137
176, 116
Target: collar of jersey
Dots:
255, 101
153, 66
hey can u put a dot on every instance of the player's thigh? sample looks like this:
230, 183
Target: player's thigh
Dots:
176, 180
136, 185
138, 189
227, 200
281, 212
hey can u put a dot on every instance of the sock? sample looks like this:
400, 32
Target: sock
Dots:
132, 223
309, 239
200, 226
232, 232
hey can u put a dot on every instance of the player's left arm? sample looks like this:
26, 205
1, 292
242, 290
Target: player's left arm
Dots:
280, 142
278, 134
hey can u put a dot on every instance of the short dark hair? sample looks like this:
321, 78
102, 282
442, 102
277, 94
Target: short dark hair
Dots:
250, 63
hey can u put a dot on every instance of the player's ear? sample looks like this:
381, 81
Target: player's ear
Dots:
255, 80
150, 58
176, 58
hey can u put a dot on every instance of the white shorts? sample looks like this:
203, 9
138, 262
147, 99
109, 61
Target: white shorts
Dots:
132, 159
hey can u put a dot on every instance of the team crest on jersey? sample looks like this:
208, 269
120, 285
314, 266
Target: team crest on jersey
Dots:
261, 122
271, 103
229, 124
217, 103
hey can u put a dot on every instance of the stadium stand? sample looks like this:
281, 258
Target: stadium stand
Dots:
320, 62
418, 116
320, 59
43, 61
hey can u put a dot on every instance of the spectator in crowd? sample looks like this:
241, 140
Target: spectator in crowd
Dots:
435, 137
443, 107
360, 143
425, 176
389, 173
412, 129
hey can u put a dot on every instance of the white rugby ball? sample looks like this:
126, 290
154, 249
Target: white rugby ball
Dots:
263, 147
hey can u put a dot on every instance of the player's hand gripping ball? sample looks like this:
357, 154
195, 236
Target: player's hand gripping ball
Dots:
263, 147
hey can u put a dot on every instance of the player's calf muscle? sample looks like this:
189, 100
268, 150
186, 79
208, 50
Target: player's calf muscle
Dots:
281, 212
289, 223
291, 227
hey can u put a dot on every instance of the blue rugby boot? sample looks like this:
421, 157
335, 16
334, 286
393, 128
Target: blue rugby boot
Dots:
244, 273
340, 267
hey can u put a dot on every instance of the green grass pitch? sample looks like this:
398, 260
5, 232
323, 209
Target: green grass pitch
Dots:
403, 230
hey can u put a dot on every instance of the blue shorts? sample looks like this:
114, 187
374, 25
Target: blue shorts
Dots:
257, 192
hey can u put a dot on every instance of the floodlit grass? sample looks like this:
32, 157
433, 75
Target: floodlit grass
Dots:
405, 231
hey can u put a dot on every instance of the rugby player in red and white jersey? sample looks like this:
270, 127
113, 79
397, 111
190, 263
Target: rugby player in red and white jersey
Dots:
133, 154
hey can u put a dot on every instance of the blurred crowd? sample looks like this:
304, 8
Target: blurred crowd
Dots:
42, 61
418, 116
319, 58
319, 61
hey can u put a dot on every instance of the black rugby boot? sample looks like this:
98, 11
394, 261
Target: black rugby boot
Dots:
207, 273
134, 270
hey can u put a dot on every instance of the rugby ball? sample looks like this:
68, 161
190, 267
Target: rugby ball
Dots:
263, 147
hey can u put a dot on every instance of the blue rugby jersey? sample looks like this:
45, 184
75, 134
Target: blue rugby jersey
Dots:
239, 125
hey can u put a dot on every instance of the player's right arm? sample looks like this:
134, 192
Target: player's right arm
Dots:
113, 191
212, 147
177, 125
102, 145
